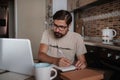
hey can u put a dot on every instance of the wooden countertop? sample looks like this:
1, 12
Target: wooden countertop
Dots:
85, 74
100, 44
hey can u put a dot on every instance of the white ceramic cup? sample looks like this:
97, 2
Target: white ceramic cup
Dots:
43, 71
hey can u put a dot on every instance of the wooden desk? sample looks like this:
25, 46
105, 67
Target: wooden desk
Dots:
6, 75
86, 74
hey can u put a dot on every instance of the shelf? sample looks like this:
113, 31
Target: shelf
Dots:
96, 3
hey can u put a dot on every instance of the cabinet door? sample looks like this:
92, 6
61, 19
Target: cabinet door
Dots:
71, 5
85, 2
92, 56
74, 4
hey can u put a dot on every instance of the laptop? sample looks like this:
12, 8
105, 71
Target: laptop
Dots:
16, 56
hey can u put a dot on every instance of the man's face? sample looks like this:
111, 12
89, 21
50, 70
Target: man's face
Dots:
60, 28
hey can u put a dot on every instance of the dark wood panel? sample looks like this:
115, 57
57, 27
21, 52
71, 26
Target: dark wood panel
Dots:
4, 2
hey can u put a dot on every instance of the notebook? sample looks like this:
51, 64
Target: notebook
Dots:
16, 56
64, 69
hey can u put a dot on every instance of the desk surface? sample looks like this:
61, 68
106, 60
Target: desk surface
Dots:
86, 74
6, 75
30, 78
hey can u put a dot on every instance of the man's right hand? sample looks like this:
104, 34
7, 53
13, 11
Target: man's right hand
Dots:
64, 62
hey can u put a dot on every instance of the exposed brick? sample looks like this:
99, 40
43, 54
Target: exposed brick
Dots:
94, 27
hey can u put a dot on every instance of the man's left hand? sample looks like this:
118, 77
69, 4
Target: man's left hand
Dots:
80, 64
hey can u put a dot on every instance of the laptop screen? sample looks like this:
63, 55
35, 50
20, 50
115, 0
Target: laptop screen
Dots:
16, 56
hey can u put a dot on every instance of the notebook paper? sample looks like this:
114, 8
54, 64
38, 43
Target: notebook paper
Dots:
63, 69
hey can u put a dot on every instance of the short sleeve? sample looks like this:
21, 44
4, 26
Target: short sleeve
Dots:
44, 38
80, 46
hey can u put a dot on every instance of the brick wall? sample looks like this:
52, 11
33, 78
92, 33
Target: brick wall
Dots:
99, 17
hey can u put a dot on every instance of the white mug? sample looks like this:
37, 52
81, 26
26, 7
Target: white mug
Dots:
43, 71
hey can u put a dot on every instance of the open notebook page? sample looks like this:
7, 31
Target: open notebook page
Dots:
63, 69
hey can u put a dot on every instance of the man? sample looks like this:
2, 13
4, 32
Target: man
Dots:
59, 46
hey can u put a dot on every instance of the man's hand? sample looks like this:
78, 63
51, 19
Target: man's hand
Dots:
64, 62
80, 64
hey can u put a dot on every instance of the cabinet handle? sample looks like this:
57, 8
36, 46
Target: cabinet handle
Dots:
91, 51
109, 55
117, 57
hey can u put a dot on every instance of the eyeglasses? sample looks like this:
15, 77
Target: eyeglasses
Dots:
59, 27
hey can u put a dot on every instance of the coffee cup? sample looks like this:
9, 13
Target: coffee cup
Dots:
43, 71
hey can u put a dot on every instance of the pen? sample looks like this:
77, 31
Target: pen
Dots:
62, 54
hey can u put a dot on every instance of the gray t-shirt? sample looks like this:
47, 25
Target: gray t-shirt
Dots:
68, 46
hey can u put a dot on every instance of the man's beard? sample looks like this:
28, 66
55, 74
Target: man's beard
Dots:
58, 35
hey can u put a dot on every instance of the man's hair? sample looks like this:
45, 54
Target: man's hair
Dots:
63, 15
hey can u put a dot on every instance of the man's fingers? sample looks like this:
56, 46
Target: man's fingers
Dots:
64, 62
67, 60
80, 65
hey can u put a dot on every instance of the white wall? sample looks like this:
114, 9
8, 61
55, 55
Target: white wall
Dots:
59, 4
29, 21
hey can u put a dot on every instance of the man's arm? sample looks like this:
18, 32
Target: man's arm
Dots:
81, 63
42, 56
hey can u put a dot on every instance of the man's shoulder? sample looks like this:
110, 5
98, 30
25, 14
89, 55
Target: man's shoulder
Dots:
75, 34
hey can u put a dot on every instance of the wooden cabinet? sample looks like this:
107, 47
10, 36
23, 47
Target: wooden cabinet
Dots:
75, 4
85, 2
92, 56
110, 56
71, 5
100, 57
